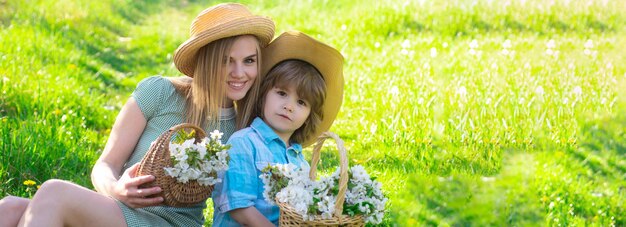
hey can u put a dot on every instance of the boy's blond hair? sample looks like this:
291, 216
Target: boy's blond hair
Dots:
309, 85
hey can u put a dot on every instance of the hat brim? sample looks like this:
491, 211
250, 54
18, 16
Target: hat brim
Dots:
259, 26
327, 60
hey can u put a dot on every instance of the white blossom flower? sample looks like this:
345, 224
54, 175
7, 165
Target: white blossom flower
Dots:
507, 44
206, 166
473, 52
363, 194
199, 161
539, 90
406, 44
182, 165
173, 172
182, 178
297, 197
394, 91
222, 155
373, 128
174, 149
433, 52
216, 135
473, 44
551, 44
193, 173
201, 150
206, 181
188, 143
589, 44
577, 91
359, 173
461, 91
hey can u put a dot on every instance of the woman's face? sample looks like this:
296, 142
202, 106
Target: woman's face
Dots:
242, 68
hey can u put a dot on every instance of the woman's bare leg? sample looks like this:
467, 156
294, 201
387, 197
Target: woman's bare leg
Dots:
12, 208
62, 203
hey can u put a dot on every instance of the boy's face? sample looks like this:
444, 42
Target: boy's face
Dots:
284, 111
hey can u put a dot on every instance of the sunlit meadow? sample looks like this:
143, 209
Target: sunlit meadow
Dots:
470, 113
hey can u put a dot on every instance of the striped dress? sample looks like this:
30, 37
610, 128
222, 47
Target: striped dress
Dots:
163, 107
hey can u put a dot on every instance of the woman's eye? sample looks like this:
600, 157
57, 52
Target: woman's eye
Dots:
250, 61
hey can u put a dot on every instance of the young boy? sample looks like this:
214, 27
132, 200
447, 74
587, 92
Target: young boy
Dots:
300, 97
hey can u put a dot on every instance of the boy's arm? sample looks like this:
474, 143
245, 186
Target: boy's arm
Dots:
239, 186
249, 216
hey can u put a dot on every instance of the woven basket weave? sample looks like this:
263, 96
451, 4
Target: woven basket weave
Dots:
289, 216
174, 194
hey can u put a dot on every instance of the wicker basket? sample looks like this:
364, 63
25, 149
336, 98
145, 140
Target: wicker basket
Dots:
289, 216
158, 156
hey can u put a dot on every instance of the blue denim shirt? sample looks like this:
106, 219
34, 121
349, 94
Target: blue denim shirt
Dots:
253, 148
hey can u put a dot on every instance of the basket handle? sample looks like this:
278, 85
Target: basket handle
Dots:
163, 142
343, 167
200, 133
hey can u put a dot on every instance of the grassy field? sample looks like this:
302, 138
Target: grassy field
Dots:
470, 113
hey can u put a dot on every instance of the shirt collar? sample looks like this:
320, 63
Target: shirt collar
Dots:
296, 147
267, 133
227, 113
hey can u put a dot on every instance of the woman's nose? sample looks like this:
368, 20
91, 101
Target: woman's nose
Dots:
236, 70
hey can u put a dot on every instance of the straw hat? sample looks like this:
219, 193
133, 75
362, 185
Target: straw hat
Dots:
217, 22
327, 60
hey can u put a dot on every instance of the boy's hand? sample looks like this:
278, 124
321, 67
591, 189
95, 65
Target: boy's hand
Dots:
249, 216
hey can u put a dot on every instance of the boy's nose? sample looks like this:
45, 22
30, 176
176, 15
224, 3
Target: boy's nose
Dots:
288, 108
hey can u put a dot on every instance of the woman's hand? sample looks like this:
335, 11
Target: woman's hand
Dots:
107, 177
128, 189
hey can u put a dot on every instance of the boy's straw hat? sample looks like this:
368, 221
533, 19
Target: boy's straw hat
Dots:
217, 22
327, 60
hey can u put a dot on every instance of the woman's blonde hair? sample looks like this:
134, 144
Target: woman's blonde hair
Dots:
205, 93
309, 85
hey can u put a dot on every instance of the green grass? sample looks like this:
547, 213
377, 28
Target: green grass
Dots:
470, 113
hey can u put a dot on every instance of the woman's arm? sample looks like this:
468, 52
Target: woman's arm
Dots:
124, 136
250, 216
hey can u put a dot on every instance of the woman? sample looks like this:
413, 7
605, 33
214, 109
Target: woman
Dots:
221, 61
